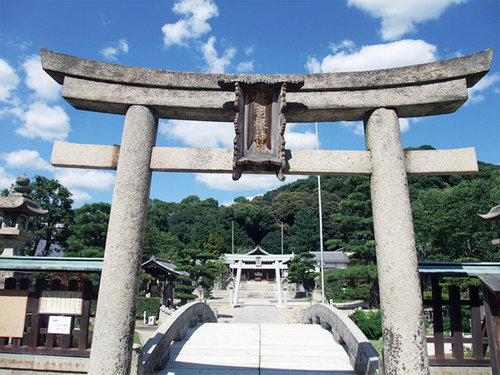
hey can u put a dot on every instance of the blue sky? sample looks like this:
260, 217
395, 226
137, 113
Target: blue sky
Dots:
257, 36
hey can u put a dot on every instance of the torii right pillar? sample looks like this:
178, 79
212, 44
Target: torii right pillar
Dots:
405, 351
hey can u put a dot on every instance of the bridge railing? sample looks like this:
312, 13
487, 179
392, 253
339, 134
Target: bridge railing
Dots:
363, 356
156, 351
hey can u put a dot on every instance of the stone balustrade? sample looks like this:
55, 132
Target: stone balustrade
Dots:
156, 350
364, 358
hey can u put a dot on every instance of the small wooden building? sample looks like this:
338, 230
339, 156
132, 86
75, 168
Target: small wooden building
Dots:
165, 273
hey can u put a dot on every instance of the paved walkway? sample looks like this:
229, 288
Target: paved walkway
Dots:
258, 314
257, 349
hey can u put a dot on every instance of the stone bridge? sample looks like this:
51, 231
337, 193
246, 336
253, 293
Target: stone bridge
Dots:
191, 342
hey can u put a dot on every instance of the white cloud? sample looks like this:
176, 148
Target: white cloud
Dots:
79, 196
345, 44
199, 133
26, 159
8, 80
247, 182
45, 122
249, 50
404, 124
476, 92
214, 63
298, 140
111, 52
6, 179
400, 17
16, 110
82, 179
245, 67
356, 127
195, 14
313, 65
378, 56
221, 134
36, 79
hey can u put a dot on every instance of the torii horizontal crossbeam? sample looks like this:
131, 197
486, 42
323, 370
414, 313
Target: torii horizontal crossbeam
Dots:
299, 162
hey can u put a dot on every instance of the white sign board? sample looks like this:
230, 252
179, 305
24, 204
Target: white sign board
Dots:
61, 302
59, 325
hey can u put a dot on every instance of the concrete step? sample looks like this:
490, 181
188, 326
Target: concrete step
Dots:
257, 349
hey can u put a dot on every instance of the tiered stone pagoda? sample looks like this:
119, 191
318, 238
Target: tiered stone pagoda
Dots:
16, 209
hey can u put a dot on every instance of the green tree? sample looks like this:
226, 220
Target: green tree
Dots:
256, 221
272, 241
202, 269
193, 220
170, 248
52, 227
358, 282
305, 232
354, 222
215, 244
228, 224
301, 270
159, 213
286, 204
447, 223
163, 245
87, 233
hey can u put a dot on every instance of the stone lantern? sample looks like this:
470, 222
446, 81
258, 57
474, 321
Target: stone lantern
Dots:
16, 209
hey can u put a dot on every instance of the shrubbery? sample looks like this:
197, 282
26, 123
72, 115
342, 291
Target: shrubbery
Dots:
369, 322
151, 305
353, 283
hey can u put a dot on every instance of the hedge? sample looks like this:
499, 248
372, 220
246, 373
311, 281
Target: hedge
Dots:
369, 322
151, 305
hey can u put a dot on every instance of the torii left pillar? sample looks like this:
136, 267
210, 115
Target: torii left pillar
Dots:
117, 304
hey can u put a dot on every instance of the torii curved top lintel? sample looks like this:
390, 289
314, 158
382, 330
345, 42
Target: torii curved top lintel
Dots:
413, 91
471, 67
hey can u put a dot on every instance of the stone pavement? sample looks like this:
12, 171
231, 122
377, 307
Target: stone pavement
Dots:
258, 314
257, 349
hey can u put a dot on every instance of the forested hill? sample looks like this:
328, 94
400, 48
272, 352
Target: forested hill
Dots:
445, 210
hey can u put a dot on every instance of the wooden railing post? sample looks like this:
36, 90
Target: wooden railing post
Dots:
35, 316
84, 320
456, 322
476, 326
437, 310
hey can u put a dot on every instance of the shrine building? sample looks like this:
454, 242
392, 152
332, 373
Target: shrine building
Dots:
258, 264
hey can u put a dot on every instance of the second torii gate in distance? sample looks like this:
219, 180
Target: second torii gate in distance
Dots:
379, 98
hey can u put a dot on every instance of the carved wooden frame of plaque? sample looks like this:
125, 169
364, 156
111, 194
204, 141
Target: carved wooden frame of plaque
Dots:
259, 124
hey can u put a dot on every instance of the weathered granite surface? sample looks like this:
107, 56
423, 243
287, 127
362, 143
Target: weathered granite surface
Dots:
473, 67
18, 203
418, 90
116, 307
363, 356
399, 282
300, 162
204, 105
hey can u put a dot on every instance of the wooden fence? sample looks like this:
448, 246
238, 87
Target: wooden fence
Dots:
36, 338
466, 350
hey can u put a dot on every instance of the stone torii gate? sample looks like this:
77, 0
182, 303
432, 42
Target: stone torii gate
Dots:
379, 98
